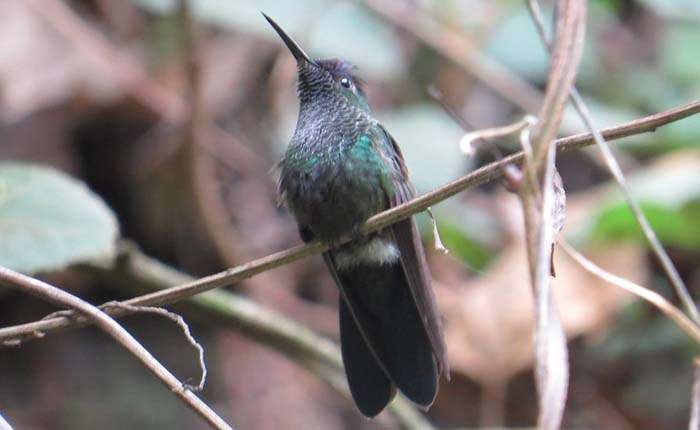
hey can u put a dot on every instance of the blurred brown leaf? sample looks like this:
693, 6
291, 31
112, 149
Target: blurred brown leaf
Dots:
489, 319
39, 68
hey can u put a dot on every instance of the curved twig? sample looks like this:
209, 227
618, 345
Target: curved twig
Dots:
180, 321
108, 325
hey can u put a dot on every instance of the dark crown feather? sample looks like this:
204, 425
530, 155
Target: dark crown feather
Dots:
343, 69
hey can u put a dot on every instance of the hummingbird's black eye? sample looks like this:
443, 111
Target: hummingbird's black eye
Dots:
345, 82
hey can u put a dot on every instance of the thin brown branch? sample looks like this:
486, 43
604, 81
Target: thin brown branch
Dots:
566, 56
654, 298
538, 199
135, 272
615, 170
10, 336
55, 295
180, 321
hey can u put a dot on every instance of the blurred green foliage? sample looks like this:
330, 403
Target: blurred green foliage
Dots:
49, 220
679, 228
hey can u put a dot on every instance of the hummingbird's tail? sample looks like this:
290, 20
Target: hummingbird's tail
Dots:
383, 338
369, 384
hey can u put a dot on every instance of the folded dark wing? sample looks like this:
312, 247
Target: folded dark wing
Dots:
412, 253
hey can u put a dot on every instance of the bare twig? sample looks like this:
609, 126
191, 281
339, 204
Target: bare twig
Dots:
10, 335
136, 272
439, 246
654, 298
616, 172
538, 199
103, 321
183, 326
694, 423
466, 144
551, 356
512, 176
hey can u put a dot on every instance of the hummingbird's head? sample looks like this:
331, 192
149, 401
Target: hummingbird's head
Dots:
319, 79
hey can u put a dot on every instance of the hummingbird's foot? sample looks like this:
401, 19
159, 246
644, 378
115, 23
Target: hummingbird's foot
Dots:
356, 234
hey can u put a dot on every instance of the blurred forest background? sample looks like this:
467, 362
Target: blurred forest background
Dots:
176, 121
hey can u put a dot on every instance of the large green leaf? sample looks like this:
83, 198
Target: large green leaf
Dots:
49, 220
677, 228
669, 194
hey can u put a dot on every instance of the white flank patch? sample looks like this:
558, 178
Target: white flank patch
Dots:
377, 252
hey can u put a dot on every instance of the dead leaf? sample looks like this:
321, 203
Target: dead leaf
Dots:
39, 68
489, 319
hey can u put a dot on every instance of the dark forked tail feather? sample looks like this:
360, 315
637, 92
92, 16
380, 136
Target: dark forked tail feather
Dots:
383, 337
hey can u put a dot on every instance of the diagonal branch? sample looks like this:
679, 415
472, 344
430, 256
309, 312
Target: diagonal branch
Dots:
135, 272
10, 336
108, 325
616, 172
538, 199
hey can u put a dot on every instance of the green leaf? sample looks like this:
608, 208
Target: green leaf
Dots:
464, 247
49, 220
669, 195
677, 228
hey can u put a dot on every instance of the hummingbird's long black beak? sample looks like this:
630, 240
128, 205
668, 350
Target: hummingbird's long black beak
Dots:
294, 47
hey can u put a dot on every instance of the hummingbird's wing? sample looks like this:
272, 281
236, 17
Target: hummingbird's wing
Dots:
391, 335
412, 253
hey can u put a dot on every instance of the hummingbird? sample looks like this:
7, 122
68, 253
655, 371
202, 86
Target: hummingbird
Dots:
340, 168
